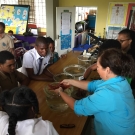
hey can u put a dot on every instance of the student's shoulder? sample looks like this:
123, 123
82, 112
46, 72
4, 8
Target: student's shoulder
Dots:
6, 36
56, 54
30, 52
3, 114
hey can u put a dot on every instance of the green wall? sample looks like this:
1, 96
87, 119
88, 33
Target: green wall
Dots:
102, 11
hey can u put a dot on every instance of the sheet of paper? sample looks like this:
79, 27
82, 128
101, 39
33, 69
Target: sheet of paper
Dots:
65, 23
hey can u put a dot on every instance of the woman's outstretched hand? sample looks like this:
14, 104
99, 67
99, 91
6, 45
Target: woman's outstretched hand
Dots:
66, 82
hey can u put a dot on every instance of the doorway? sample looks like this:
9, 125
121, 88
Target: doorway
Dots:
87, 15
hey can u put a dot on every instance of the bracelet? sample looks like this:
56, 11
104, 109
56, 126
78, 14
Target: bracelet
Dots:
59, 91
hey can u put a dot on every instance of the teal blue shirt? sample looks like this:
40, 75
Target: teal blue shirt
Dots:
112, 104
55, 57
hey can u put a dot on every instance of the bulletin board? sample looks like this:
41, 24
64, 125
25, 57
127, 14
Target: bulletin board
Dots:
119, 17
66, 31
15, 17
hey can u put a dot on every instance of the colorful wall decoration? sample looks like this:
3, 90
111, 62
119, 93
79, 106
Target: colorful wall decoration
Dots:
15, 17
66, 31
120, 15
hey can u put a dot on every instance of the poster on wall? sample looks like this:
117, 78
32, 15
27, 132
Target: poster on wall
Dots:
117, 14
15, 17
113, 32
66, 31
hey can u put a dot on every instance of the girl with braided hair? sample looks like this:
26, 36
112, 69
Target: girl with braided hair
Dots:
19, 114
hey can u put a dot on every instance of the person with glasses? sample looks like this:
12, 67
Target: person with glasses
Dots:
127, 39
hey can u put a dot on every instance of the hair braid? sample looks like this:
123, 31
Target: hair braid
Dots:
12, 124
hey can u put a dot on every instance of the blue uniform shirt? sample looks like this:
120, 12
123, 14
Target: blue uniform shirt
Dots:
112, 104
55, 57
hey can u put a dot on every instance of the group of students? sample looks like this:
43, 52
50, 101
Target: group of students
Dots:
19, 105
112, 102
31, 68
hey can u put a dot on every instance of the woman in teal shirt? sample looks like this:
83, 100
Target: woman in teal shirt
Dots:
112, 102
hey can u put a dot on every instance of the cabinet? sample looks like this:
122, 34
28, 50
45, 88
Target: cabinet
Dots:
29, 39
26, 41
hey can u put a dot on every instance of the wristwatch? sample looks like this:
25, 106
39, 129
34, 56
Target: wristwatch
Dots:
81, 78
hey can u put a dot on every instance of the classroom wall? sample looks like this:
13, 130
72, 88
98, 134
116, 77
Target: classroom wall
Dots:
102, 11
51, 17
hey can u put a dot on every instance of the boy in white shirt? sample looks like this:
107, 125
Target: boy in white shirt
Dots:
36, 60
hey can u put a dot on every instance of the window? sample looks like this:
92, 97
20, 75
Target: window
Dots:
32, 10
37, 14
40, 14
8, 2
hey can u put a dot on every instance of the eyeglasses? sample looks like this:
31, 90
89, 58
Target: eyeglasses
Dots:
121, 41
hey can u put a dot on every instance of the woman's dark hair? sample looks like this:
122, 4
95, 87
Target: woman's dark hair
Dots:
41, 40
2, 24
50, 40
119, 62
110, 43
131, 35
5, 55
17, 103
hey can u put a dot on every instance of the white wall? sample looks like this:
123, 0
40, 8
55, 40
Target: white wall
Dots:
51, 17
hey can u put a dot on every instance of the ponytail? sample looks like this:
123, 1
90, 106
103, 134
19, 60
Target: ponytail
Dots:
12, 124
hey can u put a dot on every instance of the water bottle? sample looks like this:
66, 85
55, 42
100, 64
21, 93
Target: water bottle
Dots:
84, 53
99, 35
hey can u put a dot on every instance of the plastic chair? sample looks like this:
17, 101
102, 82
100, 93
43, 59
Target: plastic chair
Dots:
19, 52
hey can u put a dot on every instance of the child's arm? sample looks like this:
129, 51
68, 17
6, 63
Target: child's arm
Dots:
89, 70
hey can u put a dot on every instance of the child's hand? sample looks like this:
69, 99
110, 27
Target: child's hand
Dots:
66, 82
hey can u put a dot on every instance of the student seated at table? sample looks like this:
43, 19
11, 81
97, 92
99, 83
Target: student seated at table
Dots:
9, 76
36, 61
10, 33
20, 109
112, 102
54, 55
110, 43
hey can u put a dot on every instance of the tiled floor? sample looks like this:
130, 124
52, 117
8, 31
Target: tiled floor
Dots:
89, 127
